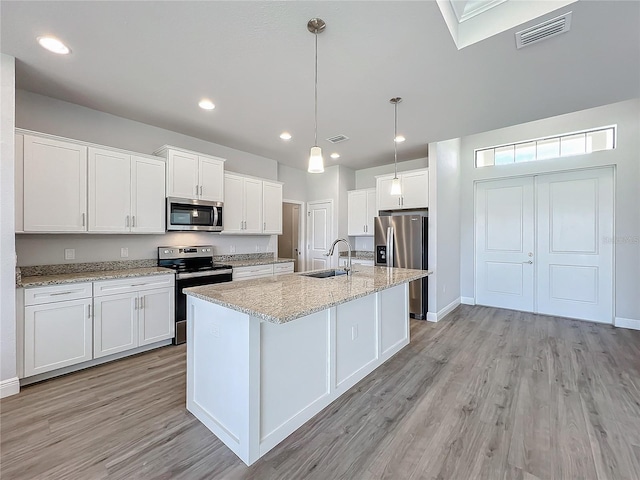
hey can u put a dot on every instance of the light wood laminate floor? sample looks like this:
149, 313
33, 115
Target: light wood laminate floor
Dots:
484, 394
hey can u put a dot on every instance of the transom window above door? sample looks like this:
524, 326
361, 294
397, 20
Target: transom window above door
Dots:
580, 143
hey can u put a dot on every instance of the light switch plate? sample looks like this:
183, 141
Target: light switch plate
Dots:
69, 253
124, 252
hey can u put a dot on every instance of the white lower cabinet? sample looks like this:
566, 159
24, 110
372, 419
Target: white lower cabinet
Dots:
282, 268
132, 313
260, 271
115, 324
65, 325
354, 261
58, 328
254, 271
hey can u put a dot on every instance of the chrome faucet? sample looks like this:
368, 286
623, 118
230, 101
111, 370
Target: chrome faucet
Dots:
330, 252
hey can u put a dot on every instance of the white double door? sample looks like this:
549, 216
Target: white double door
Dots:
543, 244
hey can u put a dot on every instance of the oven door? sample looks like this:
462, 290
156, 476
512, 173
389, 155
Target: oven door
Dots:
196, 279
198, 215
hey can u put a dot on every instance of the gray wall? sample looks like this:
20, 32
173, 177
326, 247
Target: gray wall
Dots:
625, 157
444, 225
48, 115
366, 177
295, 183
7, 248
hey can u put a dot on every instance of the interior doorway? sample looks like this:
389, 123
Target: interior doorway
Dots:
541, 244
320, 233
290, 242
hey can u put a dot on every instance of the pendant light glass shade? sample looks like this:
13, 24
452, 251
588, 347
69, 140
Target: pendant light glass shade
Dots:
395, 187
316, 163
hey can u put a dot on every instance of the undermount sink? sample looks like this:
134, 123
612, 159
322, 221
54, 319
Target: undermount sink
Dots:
326, 273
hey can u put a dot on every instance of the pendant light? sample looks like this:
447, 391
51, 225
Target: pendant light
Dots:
316, 163
395, 184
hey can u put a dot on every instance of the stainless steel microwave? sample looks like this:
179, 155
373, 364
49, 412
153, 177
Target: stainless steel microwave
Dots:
197, 215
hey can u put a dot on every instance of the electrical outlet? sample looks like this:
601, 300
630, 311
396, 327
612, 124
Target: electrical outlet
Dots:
232, 249
354, 332
124, 252
69, 253
257, 248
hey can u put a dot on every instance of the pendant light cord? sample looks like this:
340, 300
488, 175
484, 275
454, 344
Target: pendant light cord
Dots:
315, 138
395, 141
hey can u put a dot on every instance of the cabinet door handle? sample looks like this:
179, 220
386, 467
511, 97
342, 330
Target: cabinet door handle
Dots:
264, 226
196, 190
135, 302
89, 311
398, 200
141, 303
133, 221
200, 190
127, 221
83, 219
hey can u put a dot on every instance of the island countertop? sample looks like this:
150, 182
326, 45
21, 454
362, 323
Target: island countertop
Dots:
283, 298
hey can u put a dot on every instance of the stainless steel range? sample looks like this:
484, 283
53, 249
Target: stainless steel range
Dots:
194, 266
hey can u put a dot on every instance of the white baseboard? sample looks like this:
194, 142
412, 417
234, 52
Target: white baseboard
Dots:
436, 317
467, 300
9, 387
631, 323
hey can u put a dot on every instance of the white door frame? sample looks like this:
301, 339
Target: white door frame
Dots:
330, 227
536, 174
302, 234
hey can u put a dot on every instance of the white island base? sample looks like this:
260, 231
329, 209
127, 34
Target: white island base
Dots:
253, 382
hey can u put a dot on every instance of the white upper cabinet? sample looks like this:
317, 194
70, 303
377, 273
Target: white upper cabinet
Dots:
109, 191
242, 212
415, 191
126, 193
251, 205
55, 185
68, 186
361, 207
147, 195
272, 208
19, 182
211, 182
193, 175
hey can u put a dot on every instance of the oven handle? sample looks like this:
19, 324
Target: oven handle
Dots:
210, 273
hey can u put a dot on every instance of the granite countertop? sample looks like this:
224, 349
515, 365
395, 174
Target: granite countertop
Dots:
283, 298
252, 262
78, 277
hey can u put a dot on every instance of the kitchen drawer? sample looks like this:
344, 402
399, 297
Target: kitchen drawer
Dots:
280, 268
257, 271
133, 284
57, 293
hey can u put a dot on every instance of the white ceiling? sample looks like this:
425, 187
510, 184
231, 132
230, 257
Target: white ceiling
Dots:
152, 61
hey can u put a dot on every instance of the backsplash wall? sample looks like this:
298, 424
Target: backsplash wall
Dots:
42, 249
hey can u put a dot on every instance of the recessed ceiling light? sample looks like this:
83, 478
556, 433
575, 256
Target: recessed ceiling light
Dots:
285, 136
400, 139
335, 155
53, 45
206, 104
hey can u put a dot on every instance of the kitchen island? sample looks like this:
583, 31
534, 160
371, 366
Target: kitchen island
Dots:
266, 355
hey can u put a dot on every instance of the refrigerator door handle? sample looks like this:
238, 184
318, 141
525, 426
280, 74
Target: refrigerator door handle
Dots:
390, 246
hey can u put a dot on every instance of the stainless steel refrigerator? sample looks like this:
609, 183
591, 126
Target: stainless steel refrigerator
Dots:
401, 241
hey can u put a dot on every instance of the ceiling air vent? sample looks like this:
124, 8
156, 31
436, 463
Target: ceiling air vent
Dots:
337, 138
545, 30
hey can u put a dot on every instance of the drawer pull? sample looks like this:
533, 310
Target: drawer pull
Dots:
62, 293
